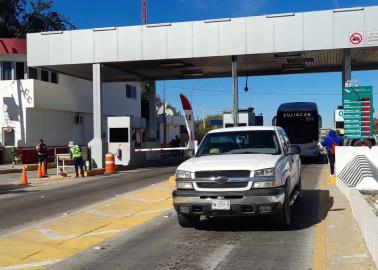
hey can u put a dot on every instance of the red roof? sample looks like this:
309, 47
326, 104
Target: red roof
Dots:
12, 46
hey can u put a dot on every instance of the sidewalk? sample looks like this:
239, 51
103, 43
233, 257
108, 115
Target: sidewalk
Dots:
338, 238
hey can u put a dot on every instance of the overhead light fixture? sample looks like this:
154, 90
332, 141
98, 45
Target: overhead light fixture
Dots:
287, 55
172, 64
196, 73
293, 67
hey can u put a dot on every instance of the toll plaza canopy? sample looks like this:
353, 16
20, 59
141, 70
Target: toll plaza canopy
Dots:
272, 44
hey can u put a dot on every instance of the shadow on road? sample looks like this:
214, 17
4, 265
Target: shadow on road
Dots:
321, 159
310, 210
13, 189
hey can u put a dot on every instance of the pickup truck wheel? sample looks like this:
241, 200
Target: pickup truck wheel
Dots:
188, 221
284, 217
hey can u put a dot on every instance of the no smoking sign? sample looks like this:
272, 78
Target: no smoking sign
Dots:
356, 38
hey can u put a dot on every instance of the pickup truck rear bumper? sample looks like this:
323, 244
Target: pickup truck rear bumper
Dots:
251, 202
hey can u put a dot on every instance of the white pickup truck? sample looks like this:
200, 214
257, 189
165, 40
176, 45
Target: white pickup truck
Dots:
239, 171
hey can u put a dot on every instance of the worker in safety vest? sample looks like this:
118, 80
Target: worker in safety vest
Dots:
76, 156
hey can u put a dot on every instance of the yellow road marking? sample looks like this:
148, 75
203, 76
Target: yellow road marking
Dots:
320, 250
38, 246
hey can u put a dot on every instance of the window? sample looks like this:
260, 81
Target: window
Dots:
44, 75
240, 142
118, 135
20, 70
54, 77
130, 91
7, 71
33, 73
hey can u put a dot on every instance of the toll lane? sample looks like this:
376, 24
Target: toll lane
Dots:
37, 205
232, 243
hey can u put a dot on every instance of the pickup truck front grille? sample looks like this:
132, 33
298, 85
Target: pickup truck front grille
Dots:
228, 174
225, 185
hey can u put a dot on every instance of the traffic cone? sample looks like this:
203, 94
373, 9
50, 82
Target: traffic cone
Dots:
24, 177
43, 170
39, 172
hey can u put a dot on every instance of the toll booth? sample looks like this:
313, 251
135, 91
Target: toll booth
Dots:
125, 134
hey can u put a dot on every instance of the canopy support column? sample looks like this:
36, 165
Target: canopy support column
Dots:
97, 144
235, 107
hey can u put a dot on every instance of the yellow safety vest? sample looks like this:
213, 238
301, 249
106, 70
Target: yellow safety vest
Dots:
75, 151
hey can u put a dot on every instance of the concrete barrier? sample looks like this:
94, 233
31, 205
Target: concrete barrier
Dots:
365, 217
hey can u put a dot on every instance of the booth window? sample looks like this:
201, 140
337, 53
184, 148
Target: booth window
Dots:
118, 135
130, 91
7, 71
54, 77
20, 70
33, 73
44, 75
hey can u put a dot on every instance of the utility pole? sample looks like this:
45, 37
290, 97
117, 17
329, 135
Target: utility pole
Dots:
235, 105
165, 118
144, 12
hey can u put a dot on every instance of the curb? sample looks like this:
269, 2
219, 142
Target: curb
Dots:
366, 219
29, 167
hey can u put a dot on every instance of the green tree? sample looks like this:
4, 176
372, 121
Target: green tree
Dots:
159, 100
19, 17
201, 129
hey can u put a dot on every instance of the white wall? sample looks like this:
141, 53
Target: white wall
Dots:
15, 97
73, 94
54, 107
57, 128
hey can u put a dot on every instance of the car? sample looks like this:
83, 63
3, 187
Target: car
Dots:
239, 171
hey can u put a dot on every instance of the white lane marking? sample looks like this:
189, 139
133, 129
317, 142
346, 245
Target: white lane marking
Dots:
143, 200
152, 211
52, 235
216, 257
29, 265
357, 256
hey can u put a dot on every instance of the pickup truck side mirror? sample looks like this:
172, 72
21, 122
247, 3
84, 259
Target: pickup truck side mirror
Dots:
293, 150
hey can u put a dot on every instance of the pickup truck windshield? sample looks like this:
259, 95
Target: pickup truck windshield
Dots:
240, 142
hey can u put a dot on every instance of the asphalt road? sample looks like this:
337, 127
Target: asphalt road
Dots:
232, 243
39, 204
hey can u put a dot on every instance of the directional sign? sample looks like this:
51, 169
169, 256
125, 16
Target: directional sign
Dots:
358, 112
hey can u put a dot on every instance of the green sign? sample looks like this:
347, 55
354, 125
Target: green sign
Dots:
358, 112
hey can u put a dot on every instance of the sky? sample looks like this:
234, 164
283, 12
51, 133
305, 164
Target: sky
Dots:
210, 96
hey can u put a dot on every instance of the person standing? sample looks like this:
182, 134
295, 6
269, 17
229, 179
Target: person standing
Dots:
330, 142
76, 156
42, 154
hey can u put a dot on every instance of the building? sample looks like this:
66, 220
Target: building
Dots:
174, 126
37, 103
246, 118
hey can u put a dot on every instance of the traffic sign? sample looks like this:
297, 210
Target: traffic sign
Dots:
356, 38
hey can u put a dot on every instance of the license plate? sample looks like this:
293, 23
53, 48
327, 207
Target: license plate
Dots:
221, 205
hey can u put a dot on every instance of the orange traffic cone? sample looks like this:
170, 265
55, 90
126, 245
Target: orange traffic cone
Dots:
24, 177
43, 170
39, 172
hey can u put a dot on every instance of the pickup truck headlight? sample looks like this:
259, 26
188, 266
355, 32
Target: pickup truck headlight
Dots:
265, 172
183, 175
264, 184
184, 185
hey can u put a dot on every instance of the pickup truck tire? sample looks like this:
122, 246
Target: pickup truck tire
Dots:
188, 221
284, 217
